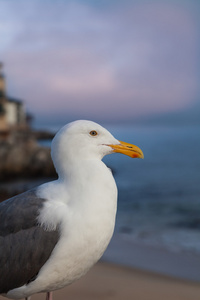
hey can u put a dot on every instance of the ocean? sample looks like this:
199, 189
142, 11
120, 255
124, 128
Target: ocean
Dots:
159, 197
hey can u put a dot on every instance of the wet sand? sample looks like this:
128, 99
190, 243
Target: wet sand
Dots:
107, 281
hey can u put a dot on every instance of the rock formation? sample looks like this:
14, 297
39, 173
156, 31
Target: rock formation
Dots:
22, 156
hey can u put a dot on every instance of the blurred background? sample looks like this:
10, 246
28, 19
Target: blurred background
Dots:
132, 66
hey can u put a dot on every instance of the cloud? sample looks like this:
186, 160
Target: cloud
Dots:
119, 61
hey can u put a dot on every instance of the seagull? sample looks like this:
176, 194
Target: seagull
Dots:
52, 235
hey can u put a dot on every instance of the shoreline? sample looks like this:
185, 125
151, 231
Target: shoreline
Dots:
124, 251
107, 281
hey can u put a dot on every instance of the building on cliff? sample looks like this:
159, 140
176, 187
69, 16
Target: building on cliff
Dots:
12, 112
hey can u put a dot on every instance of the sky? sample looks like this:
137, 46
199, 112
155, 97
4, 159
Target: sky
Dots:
110, 60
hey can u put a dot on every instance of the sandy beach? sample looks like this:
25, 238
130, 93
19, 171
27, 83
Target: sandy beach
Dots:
107, 281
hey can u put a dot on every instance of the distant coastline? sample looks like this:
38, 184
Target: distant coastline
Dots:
21, 155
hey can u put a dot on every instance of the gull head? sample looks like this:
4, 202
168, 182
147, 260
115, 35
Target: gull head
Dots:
86, 140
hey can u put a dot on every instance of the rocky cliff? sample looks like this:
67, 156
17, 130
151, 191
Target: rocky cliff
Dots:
22, 156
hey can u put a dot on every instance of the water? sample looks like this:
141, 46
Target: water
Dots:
159, 197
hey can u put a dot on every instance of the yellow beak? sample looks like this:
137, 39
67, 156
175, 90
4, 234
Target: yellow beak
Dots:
128, 149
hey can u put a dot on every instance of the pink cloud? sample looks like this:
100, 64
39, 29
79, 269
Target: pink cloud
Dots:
133, 59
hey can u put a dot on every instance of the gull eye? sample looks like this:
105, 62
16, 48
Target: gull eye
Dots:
93, 133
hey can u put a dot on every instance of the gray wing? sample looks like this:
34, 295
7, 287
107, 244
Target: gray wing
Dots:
24, 246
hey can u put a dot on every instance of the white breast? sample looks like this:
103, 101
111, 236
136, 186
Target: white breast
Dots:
87, 208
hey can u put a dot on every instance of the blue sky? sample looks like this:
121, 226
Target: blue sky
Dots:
101, 60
